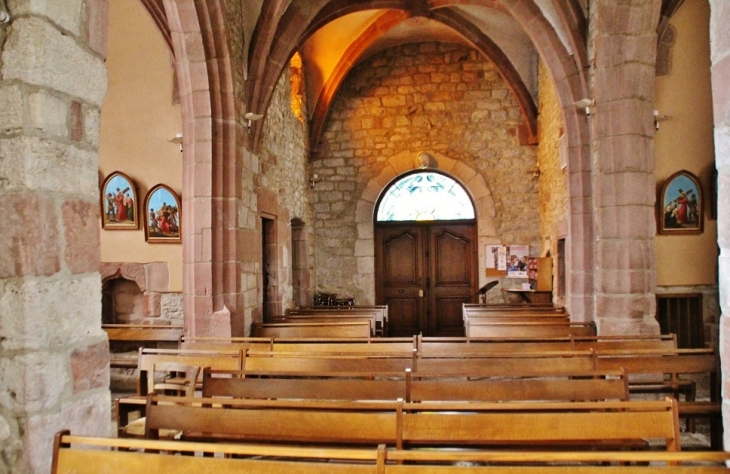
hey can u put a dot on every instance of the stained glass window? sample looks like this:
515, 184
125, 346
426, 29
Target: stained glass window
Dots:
425, 196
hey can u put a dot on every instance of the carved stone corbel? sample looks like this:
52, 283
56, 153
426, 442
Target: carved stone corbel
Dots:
4, 13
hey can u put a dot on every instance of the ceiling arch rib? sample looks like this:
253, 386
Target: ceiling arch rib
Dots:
293, 30
335, 10
385, 22
300, 20
270, 55
261, 41
156, 9
575, 27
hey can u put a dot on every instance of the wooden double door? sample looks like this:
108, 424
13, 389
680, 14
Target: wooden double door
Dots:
424, 272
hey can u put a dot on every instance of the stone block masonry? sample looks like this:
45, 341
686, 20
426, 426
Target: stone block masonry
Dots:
53, 353
446, 99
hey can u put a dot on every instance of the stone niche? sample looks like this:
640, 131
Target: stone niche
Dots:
138, 293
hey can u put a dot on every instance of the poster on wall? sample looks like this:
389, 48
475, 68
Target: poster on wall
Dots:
517, 260
162, 216
507, 260
119, 203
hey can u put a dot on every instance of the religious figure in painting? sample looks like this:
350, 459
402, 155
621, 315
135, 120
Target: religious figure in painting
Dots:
682, 208
121, 207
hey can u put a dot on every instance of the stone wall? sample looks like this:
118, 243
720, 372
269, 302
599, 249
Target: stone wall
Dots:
720, 47
445, 99
282, 194
553, 181
53, 353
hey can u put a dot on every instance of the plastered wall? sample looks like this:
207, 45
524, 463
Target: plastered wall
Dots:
685, 141
138, 117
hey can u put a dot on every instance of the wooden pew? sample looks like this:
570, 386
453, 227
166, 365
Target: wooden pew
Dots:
672, 367
295, 363
93, 455
513, 307
358, 329
326, 318
461, 345
142, 335
584, 386
374, 346
399, 424
333, 346
149, 358
517, 318
525, 330
380, 312
482, 365
226, 343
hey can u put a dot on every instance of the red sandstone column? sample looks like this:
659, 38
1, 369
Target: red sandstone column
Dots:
720, 46
623, 36
212, 168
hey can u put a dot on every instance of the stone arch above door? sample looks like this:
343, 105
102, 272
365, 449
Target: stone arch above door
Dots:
404, 162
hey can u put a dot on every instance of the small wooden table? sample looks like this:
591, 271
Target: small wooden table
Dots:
533, 296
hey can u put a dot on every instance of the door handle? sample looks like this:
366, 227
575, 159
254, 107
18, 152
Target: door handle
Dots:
420, 293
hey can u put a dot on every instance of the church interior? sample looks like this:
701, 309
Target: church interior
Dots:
196, 169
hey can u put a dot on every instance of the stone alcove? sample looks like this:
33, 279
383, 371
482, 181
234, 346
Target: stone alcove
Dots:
138, 293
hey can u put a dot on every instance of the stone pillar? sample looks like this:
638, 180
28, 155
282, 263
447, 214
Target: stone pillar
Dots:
623, 36
720, 51
54, 356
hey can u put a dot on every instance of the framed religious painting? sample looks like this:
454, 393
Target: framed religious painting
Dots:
162, 217
119, 207
680, 205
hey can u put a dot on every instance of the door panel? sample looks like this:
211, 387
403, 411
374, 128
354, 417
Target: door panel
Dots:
424, 272
452, 253
400, 274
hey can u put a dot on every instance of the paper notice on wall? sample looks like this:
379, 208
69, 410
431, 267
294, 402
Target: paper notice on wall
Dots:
496, 257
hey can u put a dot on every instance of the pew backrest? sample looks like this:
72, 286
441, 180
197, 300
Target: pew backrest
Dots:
584, 386
585, 424
301, 330
528, 330
92, 455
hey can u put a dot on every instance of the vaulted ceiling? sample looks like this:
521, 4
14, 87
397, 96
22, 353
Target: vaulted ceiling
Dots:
335, 35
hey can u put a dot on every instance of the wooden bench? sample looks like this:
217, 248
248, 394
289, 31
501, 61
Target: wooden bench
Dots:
400, 424
226, 343
93, 455
357, 329
148, 359
482, 365
528, 330
326, 318
380, 313
672, 368
439, 345
143, 336
517, 318
334, 346
512, 307
584, 386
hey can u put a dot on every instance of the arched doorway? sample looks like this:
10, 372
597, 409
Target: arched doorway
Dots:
425, 254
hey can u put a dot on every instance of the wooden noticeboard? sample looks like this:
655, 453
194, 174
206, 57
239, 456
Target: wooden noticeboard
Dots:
544, 274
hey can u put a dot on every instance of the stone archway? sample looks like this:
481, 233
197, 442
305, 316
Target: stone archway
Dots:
403, 162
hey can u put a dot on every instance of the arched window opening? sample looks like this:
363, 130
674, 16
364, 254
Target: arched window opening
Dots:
425, 196
297, 86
